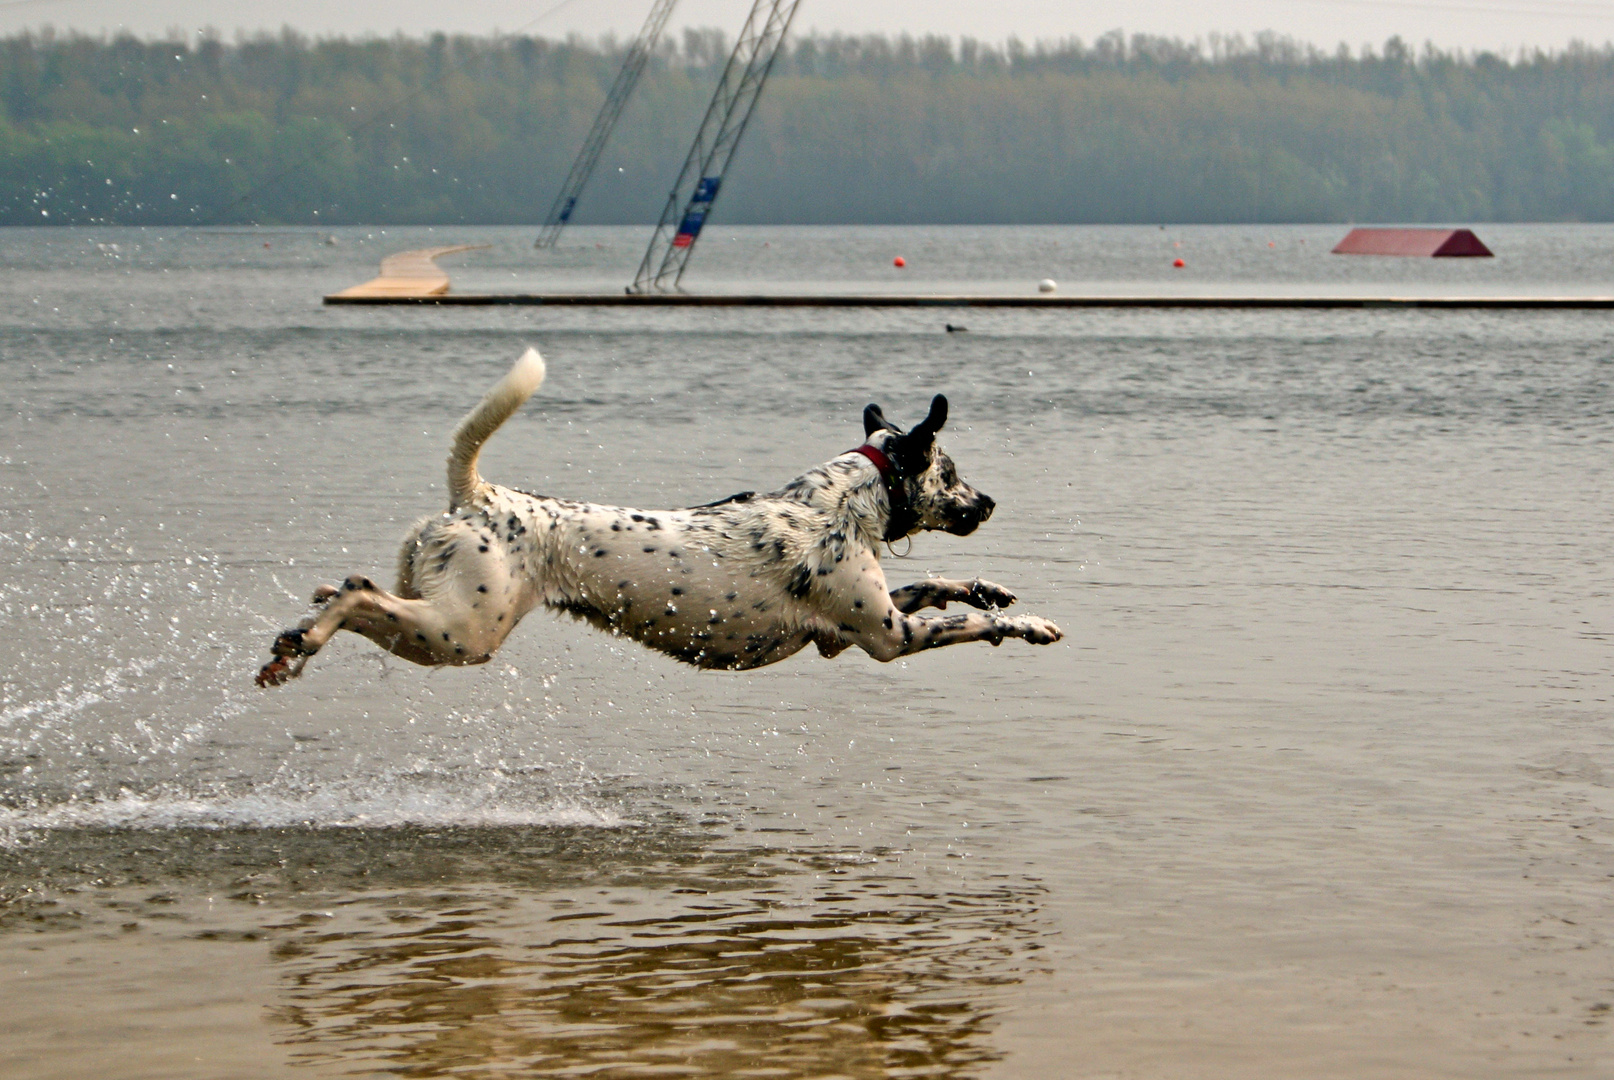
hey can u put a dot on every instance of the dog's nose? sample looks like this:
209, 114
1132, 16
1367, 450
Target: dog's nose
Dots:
986, 505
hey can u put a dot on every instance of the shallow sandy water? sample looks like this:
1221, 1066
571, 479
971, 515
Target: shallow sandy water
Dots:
1318, 784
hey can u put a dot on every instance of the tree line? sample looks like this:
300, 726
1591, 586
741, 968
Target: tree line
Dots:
283, 129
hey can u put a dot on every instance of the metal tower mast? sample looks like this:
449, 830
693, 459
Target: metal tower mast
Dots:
615, 101
715, 143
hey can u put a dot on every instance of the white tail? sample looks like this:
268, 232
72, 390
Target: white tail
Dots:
507, 395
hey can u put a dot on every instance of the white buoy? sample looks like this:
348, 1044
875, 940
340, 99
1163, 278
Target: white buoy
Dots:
1047, 284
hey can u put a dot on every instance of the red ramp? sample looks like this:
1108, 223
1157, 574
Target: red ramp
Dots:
1439, 243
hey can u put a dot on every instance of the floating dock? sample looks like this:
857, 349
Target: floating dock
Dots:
1430, 243
939, 300
413, 279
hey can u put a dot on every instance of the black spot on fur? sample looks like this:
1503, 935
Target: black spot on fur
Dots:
800, 582
678, 592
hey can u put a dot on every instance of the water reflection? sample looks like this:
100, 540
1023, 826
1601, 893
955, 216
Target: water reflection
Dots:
657, 950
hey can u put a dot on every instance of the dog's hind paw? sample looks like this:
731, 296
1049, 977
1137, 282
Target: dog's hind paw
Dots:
291, 653
987, 594
291, 643
278, 672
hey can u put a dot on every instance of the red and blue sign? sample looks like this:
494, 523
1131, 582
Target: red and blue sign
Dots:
700, 204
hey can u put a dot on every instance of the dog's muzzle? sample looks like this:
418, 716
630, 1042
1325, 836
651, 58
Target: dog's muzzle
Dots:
970, 516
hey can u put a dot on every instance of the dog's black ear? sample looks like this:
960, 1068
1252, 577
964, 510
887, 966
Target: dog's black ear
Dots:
924, 433
874, 420
913, 449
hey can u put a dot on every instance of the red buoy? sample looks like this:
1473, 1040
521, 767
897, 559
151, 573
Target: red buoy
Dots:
1179, 264
899, 262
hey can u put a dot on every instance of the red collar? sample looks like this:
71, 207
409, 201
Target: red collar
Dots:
881, 462
901, 520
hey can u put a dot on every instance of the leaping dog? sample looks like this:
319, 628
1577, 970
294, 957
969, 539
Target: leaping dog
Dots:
735, 584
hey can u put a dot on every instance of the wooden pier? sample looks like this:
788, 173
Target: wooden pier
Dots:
406, 276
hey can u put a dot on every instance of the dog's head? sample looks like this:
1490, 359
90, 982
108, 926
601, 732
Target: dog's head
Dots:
927, 478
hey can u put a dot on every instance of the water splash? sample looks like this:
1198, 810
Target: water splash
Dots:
445, 800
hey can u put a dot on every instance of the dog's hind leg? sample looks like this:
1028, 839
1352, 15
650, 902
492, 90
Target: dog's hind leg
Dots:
939, 592
422, 631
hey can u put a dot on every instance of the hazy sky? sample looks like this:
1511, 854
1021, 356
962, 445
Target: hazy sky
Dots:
1493, 24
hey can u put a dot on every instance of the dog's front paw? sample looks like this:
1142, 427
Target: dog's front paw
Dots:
323, 593
1037, 631
987, 594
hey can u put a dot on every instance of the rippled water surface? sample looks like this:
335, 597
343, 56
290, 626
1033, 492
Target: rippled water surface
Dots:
1318, 784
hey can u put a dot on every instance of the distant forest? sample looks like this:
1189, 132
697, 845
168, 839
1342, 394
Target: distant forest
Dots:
851, 130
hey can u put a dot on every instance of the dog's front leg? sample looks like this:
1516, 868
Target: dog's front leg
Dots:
938, 592
867, 616
903, 635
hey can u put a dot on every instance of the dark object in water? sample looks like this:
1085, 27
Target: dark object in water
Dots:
951, 329
1439, 243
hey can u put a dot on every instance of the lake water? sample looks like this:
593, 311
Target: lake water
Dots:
1319, 783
